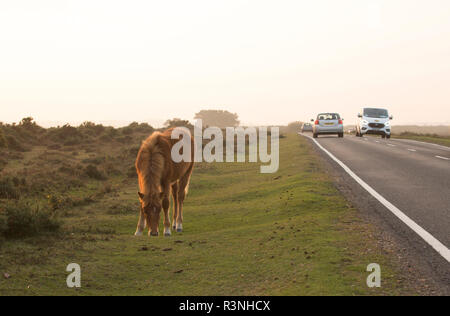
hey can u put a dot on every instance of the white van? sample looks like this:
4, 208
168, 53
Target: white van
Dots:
374, 121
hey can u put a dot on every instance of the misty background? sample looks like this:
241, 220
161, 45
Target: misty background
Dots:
272, 62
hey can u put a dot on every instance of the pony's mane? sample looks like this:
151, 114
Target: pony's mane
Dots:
150, 164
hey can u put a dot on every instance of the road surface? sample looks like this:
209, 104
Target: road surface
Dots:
413, 176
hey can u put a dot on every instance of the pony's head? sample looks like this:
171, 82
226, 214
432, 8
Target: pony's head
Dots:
151, 206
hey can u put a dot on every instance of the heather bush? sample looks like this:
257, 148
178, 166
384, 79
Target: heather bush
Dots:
20, 219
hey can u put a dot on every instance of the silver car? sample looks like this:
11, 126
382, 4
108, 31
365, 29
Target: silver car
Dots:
328, 123
307, 127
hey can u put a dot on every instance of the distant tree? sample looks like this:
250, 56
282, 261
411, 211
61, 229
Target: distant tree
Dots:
27, 122
218, 118
176, 122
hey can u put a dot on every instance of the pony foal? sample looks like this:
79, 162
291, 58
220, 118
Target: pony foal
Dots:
158, 176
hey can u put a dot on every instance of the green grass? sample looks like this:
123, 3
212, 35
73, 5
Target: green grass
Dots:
245, 233
428, 138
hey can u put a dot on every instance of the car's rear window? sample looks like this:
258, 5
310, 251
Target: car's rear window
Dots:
328, 116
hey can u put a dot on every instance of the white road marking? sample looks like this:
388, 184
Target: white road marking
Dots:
440, 157
377, 141
429, 239
391, 145
413, 150
425, 143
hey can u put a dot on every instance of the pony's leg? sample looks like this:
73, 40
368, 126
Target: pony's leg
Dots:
142, 223
166, 206
181, 196
184, 182
175, 204
182, 191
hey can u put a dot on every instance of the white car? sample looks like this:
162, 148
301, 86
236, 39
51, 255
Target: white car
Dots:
374, 121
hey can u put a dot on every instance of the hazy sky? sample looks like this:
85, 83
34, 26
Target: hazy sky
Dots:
272, 62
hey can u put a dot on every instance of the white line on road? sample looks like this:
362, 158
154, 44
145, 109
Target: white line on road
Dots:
429, 239
425, 143
391, 145
413, 150
445, 158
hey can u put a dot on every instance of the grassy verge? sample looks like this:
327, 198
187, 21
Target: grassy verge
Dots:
245, 234
429, 138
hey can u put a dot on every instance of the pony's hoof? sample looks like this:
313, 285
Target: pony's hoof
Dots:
167, 233
154, 234
138, 234
179, 230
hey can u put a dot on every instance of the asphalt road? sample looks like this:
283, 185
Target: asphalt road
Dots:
413, 176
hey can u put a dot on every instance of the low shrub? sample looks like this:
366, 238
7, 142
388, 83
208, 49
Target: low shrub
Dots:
72, 142
124, 139
56, 202
93, 173
131, 173
105, 138
119, 209
68, 135
14, 144
133, 151
3, 225
22, 220
94, 160
129, 130
105, 189
54, 147
111, 169
73, 183
3, 142
3, 163
67, 169
8, 189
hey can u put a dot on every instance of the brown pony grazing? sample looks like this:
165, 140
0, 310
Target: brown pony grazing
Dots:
158, 175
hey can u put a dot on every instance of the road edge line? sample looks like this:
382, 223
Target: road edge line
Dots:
426, 236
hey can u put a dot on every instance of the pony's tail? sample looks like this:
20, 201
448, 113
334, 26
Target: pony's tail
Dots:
186, 189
